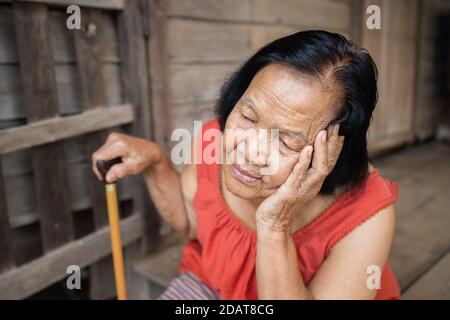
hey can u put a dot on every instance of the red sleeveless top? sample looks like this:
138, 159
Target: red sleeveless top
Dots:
224, 254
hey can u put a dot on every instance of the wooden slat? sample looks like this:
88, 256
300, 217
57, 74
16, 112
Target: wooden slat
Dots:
58, 128
197, 83
134, 66
140, 269
421, 238
162, 266
136, 90
199, 41
27, 279
41, 102
435, 284
23, 208
89, 48
323, 14
230, 10
62, 38
11, 98
158, 65
103, 4
6, 245
393, 49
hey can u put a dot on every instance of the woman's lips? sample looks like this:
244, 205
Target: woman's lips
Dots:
243, 175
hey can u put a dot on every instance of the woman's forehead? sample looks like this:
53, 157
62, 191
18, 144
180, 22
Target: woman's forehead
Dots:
288, 93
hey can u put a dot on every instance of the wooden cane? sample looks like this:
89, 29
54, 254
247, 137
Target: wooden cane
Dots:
114, 226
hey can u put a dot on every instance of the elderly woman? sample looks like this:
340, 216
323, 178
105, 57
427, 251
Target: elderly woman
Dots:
319, 226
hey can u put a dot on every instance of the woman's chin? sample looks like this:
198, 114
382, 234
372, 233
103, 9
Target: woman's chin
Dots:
242, 188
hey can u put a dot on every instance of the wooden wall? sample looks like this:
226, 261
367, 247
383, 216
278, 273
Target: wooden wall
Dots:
61, 92
429, 105
17, 166
394, 49
206, 40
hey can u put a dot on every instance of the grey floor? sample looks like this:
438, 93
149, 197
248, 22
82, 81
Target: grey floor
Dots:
420, 255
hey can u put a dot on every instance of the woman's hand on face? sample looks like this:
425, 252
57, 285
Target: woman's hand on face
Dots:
137, 155
277, 212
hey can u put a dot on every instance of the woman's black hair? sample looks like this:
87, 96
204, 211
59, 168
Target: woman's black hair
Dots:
315, 53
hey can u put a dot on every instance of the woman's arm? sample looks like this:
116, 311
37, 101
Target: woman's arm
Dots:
277, 270
171, 192
343, 275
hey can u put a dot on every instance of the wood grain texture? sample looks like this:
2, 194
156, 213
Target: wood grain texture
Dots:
103, 4
90, 46
157, 48
435, 284
421, 239
41, 102
6, 244
136, 88
59, 128
393, 49
34, 276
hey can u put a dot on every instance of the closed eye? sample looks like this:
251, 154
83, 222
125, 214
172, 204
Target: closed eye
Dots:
247, 118
287, 146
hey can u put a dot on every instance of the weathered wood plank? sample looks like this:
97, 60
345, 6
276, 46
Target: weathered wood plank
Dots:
313, 14
6, 245
158, 67
58, 128
198, 82
89, 49
41, 102
62, 39
23, 281
200, 41
136, 89
184, 116
427, 111
67, 84
19, 162
421, 237
227, 10
103, 4
89, 52
324, 14
262, 35
162, 266
393, 49
20, 192
435, 283
8, 47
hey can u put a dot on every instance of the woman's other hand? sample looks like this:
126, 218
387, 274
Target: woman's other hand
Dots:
137, 155
277, 212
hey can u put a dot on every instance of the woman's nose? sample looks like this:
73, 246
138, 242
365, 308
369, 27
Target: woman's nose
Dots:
257, 149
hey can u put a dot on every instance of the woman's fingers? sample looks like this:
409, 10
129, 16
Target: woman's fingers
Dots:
298, 173
335, 144
320, 157
107, 152
117, 172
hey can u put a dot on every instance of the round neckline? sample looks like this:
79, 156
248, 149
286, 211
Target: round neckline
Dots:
238, 223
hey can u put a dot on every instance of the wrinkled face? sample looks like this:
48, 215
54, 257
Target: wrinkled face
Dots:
277, 98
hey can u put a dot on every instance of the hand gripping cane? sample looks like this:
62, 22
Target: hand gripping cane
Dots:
114, 226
